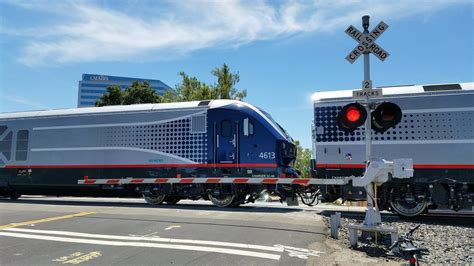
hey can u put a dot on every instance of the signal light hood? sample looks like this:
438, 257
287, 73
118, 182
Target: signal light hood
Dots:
385, 116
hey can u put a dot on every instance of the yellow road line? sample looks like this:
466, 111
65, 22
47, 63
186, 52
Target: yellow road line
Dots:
45, 220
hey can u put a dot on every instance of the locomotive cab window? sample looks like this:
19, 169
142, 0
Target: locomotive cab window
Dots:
226, 128
248, 127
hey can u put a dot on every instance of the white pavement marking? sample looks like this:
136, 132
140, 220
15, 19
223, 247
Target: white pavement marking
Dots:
172, 226
152, 239
301, 253
139, 244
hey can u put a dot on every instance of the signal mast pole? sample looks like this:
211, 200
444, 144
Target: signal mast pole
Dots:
377, 170
366, 45
372, 216
368, 137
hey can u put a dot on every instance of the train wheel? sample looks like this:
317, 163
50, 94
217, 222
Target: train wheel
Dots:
409, 207
171, 200
154, 199
222, 201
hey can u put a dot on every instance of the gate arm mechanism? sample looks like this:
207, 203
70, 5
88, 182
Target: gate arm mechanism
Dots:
379, 171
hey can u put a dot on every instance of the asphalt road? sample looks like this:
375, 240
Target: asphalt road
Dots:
96, 231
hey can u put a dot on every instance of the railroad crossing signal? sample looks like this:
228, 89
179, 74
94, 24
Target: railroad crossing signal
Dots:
366, 42
353, 115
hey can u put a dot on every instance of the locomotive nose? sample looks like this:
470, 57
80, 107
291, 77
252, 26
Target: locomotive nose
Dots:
287, 152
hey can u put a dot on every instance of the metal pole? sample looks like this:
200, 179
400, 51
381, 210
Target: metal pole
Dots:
368, 121
371, 217
368, 138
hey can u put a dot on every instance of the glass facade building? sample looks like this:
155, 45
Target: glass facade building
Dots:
92, 86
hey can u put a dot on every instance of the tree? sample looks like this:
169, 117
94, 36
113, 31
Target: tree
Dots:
136, 93
226, 81
190, 89
140, 93
303, 160
112, 96
168, 97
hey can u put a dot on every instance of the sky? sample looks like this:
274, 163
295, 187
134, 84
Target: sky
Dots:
283, 50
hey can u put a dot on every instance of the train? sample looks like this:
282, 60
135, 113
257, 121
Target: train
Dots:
48, 152
436, 130
55, 152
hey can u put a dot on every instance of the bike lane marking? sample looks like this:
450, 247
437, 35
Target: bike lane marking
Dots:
44, 220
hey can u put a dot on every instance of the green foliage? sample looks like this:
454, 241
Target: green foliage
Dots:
190, 89
113, 96
136, 93
140, 93
226, 81
303, 160
168, 97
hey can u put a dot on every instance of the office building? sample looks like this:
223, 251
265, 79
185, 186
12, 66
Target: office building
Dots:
92, 86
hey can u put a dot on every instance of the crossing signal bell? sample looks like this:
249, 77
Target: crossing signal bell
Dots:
385, 116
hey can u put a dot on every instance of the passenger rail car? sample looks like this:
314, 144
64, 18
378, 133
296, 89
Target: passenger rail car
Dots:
47, 152
436, 131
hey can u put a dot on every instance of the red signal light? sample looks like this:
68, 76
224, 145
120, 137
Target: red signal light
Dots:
353, 114
351, 117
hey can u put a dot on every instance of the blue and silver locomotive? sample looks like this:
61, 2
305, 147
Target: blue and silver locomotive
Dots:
47, 152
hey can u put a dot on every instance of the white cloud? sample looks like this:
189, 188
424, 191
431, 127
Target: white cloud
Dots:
23, 101
86, 32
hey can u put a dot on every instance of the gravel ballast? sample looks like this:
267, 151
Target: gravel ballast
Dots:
447, 242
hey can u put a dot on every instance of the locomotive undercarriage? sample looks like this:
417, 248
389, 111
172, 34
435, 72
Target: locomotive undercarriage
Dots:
410, 199
224, 195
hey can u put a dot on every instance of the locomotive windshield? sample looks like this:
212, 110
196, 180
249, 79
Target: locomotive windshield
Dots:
276, 125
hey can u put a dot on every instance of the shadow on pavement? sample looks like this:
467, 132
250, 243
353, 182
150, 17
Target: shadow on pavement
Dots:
178, 206
285, 229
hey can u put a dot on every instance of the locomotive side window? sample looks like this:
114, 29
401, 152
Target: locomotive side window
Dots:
6, 145
21, 145
248, 127
226, 128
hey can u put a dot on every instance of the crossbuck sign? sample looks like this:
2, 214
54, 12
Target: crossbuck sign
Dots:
367, 42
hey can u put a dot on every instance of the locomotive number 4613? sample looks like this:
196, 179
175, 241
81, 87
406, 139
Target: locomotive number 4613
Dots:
267, 155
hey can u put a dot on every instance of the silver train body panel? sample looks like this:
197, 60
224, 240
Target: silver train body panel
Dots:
436, 131
437, 128
135, 134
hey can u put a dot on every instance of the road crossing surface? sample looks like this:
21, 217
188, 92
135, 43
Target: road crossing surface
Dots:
96, 231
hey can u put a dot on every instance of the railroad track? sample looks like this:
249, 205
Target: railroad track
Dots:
441, 217
450, 213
